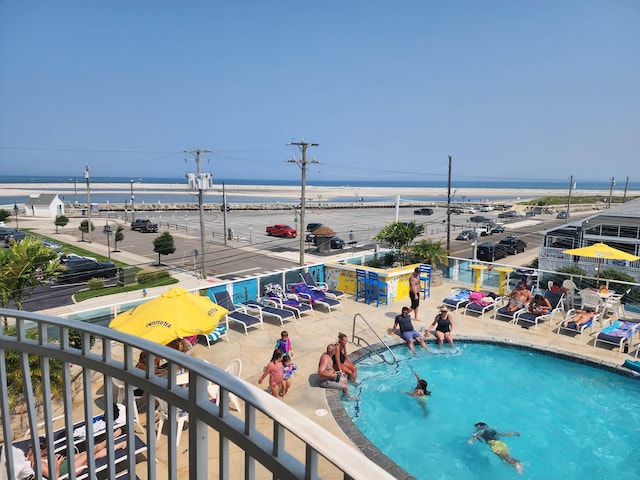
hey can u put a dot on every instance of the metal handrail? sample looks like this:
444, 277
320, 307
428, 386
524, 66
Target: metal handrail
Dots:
367, 344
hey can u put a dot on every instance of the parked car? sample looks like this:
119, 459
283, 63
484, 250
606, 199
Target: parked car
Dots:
309, 237
490, 252
282, 230
465, 235
225, 206
511, 214
337, 242
84, 269
423, 211
480, 219
497, 229
144, 225
456, 210
562, 215
486, 208
14, 236
312, 227
468, 210
513, 245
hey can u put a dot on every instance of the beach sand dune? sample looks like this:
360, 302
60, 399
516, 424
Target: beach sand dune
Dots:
324, 193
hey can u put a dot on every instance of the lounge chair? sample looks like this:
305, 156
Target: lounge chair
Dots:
458, 298
556, 299
309, 280
288, 301
238, 313
619, 333
479, 302
314, 297
100, 464
281, 314
500, 309
219, 331
571, 326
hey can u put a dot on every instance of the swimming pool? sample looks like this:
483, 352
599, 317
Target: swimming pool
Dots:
576, 421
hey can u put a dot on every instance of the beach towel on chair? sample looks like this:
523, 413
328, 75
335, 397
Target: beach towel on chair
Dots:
617, 330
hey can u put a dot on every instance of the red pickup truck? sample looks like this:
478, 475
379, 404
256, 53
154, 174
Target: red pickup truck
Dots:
282, 230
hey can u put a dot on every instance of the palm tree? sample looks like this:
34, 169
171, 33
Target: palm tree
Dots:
430, 252
399, 235
23, 266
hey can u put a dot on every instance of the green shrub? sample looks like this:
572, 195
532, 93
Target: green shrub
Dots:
96, 284
75, 339
150, 276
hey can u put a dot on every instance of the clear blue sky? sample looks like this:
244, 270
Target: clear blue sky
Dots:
511, 89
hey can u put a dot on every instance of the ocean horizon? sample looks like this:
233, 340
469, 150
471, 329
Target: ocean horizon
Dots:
73, 191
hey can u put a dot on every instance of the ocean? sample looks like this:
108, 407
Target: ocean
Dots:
73, 189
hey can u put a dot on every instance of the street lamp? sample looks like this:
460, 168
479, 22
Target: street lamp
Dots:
107, 231
15, 211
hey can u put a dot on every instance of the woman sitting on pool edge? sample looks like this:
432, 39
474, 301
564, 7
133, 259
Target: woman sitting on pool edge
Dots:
444, 327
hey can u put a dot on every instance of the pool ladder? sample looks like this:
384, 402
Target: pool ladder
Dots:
358, 340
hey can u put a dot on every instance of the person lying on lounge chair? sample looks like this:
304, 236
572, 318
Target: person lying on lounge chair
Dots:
518, 298
81, 459
540, 305
579, 318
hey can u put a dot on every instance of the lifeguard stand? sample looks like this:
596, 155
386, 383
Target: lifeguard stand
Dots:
425, 280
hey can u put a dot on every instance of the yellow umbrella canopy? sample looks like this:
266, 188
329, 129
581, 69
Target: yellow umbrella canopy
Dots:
175, 314
601, 251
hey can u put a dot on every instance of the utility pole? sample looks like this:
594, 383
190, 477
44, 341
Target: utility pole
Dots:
75, 192
449, 210
86, 176
572, 186
613, 183
224, 215
201, 182
626, 185
303, 166
133, 211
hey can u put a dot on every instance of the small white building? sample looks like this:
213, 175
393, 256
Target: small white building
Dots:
44, 205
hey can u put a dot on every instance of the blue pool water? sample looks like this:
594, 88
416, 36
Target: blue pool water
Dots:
575, 421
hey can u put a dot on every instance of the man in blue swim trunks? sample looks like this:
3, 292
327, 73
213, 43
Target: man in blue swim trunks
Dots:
406, 330
490, 437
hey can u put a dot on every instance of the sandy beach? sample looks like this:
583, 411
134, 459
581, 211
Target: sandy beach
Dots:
327, 194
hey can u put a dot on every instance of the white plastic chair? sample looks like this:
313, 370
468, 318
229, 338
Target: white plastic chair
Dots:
235, 369
120, 398
181, 417
615, 306
591, 299
572, 288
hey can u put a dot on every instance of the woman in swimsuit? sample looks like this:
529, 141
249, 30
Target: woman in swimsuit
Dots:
341, 362
444, 328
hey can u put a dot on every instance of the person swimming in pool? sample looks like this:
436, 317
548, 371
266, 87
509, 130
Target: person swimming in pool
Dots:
490, 437
421, 392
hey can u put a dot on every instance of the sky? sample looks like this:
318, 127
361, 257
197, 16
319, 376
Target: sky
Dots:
511, 89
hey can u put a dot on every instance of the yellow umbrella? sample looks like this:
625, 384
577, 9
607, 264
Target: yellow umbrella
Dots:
601, 251
175, 314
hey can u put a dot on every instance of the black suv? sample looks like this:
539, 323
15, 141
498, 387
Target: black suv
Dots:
83, 269
513, 245
312, 227
144, 226
490, 252
423, 211
480, 219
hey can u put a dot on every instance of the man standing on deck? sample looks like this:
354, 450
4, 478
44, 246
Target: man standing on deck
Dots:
414, 293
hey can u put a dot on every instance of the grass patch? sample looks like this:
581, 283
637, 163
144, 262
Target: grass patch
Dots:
587, 200
87, 294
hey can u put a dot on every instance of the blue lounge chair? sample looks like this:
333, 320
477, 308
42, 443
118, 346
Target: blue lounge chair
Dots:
458, 298
238, 313
276, 295
314, 297
472, 307
571, 327
619, 333
309, 280
281, 314
556, 299
219, 331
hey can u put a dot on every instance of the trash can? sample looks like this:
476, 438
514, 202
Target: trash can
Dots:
126, 275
